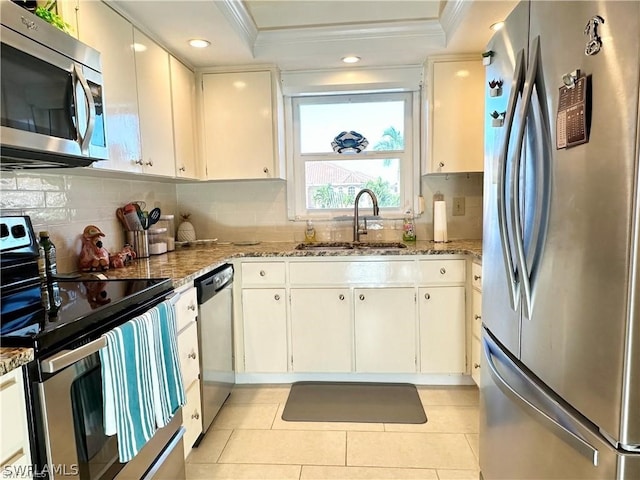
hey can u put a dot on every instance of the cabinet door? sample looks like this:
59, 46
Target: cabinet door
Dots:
457, 122
109, 33
14, 437
321, 330
385, 330
238, 130
265, 330
154, 99
442, 330
183, 94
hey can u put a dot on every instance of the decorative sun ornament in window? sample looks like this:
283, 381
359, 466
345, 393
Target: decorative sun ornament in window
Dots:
349, 142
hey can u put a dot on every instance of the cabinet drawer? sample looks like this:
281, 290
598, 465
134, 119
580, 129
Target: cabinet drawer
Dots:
13, 416
352, 273
476, 276
192, 417
189, 354
442, 271
186, 308
477, 313
254, 274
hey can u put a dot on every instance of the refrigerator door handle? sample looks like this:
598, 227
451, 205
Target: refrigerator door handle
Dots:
516, 214
576, 442
516, 88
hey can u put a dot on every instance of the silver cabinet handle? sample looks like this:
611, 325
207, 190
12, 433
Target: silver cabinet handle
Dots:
477, 277
361, 297
149, 163
443, 271
441, 164
476, 365
276, 296
265, 170
341, 297
195, 415
182, 169
262, 273
192, 355
138, 162
192, 307
477, 317
427, 296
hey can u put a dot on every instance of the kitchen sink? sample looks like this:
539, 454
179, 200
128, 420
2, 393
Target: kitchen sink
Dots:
350, 246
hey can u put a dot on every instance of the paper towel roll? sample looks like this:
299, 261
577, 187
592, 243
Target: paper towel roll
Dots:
440, 221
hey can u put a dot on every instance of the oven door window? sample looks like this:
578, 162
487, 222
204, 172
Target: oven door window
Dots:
97, 452
37, 96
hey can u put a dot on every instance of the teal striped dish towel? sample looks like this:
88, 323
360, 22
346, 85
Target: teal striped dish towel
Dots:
141, 378
127, 387
168, 385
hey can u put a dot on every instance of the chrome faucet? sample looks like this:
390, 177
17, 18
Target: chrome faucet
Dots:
357, 231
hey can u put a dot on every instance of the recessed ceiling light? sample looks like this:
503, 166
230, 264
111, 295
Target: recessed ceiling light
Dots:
497, 26
351, 59
199, 43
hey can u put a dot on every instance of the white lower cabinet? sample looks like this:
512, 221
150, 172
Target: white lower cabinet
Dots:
476, 321
442, 329
385, 330
321, 329
312, 318
14, 439
189, 352
265, 329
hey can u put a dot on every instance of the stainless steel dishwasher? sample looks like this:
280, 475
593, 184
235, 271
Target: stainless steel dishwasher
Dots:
215, 333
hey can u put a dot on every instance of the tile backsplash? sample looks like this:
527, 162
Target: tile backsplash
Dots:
64, 202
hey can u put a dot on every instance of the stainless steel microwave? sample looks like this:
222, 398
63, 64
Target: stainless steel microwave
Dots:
52, 111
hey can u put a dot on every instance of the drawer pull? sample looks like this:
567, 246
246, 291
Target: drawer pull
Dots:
8, 383
441, 164
341, 297
427, 296
277, 297
262, 273
192, 355
192, 307
477, 317
195, 415
443, 270
476, 365
361, 297
477, 277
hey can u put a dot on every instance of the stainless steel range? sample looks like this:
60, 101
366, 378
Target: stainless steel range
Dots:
64, 382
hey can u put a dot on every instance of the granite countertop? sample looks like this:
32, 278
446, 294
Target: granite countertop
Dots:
14, 357
187, 263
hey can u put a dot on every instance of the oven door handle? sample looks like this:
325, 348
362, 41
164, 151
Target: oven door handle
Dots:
69, 357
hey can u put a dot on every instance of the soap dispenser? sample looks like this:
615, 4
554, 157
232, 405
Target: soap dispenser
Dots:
309, 233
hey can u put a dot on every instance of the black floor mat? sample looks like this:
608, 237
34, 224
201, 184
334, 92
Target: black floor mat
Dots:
358, 402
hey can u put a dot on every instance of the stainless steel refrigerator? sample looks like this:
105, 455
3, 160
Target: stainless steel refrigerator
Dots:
560, 388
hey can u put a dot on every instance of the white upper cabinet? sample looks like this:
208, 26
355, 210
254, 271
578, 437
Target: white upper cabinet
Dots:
154, 100
241, 138
455, 108
183, 97
109, 33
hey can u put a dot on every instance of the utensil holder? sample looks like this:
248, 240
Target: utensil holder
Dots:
139, 241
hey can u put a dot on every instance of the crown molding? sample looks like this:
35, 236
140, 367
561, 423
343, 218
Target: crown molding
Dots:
452, 14
430, 30
240, 20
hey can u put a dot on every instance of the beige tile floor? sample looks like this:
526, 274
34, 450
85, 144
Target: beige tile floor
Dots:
249, 440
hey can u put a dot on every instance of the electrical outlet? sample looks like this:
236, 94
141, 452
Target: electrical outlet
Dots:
458, 206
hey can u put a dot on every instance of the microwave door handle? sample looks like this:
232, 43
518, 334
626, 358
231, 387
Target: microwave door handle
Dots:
516, 213
516, 88
69, 357
91, 106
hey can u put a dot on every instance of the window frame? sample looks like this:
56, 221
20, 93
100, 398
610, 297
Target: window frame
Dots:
409, 157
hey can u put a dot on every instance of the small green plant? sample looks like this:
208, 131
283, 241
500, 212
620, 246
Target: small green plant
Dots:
49, 14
